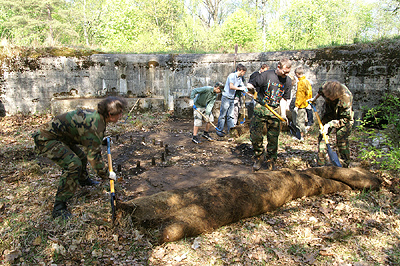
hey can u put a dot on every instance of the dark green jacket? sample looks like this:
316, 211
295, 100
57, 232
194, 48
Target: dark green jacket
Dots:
205, 98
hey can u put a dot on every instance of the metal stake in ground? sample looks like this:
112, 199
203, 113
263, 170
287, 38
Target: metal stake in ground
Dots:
112, 190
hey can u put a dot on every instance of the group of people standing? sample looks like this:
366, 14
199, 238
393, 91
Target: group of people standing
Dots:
62, 138
273, 88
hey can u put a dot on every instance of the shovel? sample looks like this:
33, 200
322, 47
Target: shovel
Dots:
112, 190
293, 130
206, 118
332, 155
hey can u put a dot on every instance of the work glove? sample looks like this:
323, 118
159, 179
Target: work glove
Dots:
244, 89
191, 102
112, 176
309, 107
312, 100
104, 142
296, 109
250, 88
325, 129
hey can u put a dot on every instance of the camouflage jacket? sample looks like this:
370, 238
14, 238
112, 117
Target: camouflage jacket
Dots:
82, 127
339, 112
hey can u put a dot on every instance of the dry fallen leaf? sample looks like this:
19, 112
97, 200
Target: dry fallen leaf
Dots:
37, 241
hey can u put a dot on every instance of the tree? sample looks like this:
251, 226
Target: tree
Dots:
313, 23
35, 21
240, 28
145, 26
87, 15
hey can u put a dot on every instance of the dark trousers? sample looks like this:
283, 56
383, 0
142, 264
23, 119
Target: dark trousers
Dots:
310, 117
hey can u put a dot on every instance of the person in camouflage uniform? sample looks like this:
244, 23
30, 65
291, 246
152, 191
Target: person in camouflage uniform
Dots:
338, 114
58, 140
272, 87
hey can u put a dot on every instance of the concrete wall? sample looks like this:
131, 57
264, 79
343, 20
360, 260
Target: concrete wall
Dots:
56, 84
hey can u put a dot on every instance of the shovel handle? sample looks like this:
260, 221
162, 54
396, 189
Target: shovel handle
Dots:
208, 120
112, 188
321, 127
267, 106
110, 168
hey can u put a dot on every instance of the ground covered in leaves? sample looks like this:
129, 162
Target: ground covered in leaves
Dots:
153, 152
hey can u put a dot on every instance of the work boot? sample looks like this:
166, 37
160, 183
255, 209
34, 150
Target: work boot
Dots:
258, 163
60, 210
207, 136
88, 182
271, 164
196, 140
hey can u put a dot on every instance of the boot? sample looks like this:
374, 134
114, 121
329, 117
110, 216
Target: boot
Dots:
88, 182
258, 163
60, 210
271, 164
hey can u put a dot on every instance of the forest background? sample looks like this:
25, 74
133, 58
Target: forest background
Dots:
196, 26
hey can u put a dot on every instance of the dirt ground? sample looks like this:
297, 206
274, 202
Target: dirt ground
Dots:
322, 230
165, 158
168, 159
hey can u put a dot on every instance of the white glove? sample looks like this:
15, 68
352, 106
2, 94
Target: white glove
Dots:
296, 109
312, 100
325, 129
191, 102
309, 107
112, 176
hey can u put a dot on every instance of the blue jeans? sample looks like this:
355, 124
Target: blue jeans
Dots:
226, 110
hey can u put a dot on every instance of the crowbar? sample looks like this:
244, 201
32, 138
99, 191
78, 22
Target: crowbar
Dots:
207, 120
112, 189
332, 155
293, 130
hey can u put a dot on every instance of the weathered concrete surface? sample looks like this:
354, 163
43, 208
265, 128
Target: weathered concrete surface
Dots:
31, 85
63, 105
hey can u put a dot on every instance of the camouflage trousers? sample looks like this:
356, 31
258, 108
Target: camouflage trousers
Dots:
71, 159
342, 144
261, 117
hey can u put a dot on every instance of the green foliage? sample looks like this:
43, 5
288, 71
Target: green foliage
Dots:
33, 22
239, 28
314, 23
177, 26
385, 114
381, 146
